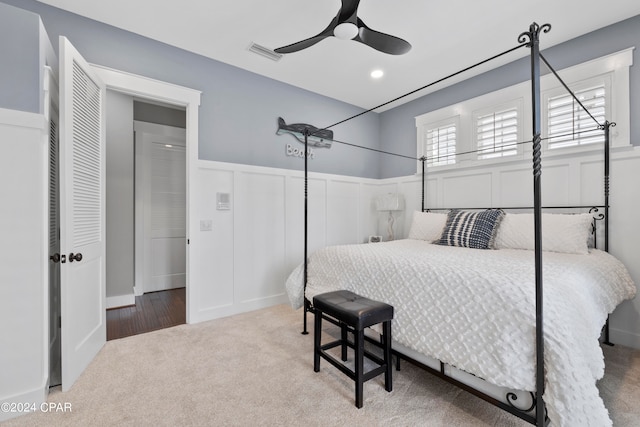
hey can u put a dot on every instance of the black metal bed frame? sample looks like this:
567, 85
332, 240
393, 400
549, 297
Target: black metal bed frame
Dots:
539, 418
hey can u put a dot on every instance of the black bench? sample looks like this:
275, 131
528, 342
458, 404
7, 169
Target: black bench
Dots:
353, 313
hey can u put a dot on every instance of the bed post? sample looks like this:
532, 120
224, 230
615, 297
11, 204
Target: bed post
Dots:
306, 215
533, 38
423, 160
606, 127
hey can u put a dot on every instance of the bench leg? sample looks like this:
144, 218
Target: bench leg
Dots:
343, 337
359, 365
386, 334
317, 334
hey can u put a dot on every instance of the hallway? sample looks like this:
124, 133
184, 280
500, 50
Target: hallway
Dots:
153, 311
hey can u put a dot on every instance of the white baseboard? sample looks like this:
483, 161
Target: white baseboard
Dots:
226, 310
625, 338
121, 301
32, 399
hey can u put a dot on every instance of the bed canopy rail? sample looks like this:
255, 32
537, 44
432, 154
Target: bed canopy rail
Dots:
535, 414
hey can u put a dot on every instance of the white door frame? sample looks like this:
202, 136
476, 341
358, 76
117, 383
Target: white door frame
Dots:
155, 90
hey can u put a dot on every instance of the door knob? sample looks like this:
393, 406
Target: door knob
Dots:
55, 257
75, 257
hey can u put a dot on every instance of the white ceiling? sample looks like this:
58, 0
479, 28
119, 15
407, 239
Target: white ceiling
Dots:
446, 35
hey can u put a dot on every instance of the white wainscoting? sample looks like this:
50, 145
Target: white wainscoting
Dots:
244, 261
24, 258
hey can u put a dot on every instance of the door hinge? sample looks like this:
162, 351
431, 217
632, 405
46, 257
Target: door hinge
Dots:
59, 322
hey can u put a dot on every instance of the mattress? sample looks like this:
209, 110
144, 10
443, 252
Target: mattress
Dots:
475, 310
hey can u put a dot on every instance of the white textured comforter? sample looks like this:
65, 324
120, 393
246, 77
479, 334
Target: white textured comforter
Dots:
475, 310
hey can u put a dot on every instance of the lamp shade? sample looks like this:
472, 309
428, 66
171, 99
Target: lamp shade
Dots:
390, 202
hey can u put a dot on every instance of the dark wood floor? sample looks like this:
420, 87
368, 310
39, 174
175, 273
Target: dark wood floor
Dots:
153, 311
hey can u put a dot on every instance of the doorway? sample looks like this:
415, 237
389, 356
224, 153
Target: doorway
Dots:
160, 93
145, 215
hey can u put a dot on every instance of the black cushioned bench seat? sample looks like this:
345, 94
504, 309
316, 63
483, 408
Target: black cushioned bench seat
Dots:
354, 313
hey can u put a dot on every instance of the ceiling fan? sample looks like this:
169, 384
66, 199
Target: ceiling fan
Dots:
347, 26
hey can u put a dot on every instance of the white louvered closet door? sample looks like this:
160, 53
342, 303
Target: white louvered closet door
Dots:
82, 222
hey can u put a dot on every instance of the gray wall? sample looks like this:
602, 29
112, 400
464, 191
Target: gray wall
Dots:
239, 109
160, 115
20, 53
398, 128
119, 193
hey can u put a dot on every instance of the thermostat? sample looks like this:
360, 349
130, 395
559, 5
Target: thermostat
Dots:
224, 201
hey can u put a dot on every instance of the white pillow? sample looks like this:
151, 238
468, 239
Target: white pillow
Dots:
567, 233
427, 225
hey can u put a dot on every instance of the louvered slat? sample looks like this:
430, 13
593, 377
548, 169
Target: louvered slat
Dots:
53, 184
86, 132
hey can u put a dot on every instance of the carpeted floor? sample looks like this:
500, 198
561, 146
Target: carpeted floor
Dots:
257, 369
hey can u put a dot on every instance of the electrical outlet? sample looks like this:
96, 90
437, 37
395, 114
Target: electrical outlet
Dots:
206, 225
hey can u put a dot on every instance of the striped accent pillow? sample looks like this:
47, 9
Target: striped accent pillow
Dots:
471, 229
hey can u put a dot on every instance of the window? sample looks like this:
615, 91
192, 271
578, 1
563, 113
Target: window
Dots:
496, 127
440, 144
497, 134
569, 124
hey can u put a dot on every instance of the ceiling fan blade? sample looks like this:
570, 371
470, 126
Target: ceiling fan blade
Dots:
303, 44
348, 11
294, 47
380, 41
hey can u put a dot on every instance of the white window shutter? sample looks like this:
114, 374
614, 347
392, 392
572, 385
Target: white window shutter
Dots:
497, 134
569, 125
440, 145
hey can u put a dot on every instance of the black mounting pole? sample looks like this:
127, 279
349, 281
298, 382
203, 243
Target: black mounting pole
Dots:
533, 37
606, 127
306, 214
423, 159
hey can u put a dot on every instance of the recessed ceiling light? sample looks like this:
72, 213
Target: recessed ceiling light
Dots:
376, 74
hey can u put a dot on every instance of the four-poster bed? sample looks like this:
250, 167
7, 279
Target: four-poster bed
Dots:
447, 261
